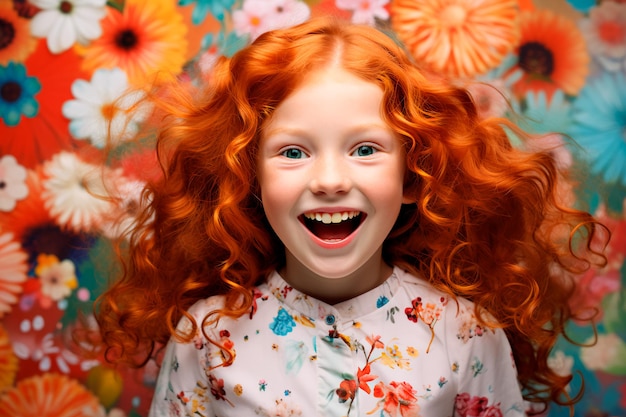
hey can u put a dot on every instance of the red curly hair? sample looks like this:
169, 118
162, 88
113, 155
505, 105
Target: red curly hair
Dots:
488, 224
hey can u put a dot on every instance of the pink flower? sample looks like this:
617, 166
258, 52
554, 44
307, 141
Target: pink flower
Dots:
605, 33
461, 404
468, 406
476, 406
490, 102
492, 411
365, 11
258, 16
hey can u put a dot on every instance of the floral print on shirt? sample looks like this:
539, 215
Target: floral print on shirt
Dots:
293, 355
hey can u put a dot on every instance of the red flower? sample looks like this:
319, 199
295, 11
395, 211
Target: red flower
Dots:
364, 377
346, 390
476, 406
467, 406
397, 396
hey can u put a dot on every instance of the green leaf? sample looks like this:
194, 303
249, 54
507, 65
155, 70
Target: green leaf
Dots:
117, 4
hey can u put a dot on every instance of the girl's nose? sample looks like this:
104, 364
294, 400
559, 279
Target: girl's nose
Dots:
330, 176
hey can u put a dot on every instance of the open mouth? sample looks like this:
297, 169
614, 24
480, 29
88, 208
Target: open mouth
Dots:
332, 226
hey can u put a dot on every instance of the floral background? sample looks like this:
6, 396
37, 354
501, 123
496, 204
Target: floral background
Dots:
63, 63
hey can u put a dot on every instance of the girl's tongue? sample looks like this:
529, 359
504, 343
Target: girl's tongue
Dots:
333, 231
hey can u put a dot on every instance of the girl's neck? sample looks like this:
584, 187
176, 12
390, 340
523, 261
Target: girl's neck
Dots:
335, 290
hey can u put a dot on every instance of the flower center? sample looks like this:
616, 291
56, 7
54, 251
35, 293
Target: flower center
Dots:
365, 5
612, 32
453, 15
108, 111
132, 208
66, 7
126, 39
7, 33
536, 59
255, 21
10, 91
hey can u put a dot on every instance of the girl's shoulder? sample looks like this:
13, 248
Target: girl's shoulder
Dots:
419, 287
426, 297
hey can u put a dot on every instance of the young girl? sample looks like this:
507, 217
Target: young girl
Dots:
338, 234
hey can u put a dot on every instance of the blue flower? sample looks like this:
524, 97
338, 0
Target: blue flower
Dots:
17, 94
382, 300
225, 43
599, 125
215, 7
582, 5
543, 116
283, 323
295, 354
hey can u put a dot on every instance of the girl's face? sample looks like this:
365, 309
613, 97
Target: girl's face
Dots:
331, 177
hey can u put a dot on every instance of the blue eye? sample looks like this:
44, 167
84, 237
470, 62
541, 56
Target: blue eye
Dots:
293, 153
365, 150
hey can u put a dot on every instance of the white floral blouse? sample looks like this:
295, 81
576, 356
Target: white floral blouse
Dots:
401, 349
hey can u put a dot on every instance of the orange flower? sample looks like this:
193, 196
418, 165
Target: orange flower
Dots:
147, 38
49, 395
347, 390
364, 376
461, 38
13, 270
15, 40
552, 54
8, 362
29, 212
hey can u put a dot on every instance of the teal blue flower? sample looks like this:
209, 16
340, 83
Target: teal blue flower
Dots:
283, 323
225, 43
217, 8
543, 116
17, 94
599, 126
582, 5
295, 354
382, 300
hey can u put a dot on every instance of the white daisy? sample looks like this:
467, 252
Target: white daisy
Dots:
65, 22
12, 182
122, 219
57, 278
75, 192
13, 271
604, 353
104, 108
561, 363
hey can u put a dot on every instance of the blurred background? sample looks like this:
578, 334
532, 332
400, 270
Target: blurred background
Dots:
560, 64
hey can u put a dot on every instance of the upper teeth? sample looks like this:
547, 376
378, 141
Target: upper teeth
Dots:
328, 218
